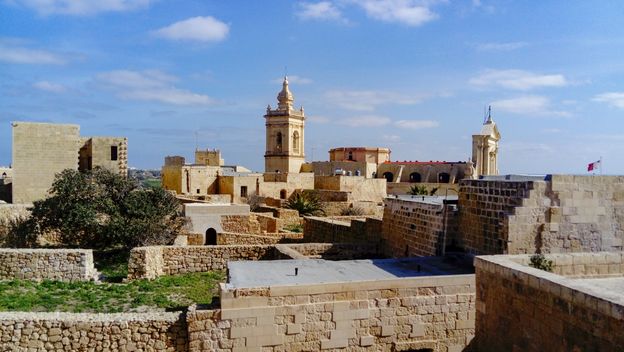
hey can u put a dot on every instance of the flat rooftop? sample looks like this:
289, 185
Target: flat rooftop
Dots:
248, 274
610, 287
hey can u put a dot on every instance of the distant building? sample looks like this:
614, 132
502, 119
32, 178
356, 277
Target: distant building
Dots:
41, 150
485, 148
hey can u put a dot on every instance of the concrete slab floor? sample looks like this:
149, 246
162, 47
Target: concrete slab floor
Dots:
246, 274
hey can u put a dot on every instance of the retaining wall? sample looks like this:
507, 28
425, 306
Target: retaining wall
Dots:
342, 230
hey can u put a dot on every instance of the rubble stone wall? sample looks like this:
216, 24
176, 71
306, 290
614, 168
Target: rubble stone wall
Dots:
51, 264
93, 332
342, 230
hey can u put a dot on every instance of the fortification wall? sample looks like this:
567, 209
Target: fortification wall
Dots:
51, 264
93, 332
565, 213
342, 230
542, 311
434, 313
417, 228
229, 238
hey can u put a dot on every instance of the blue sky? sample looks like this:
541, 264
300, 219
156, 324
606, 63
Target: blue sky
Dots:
411, 75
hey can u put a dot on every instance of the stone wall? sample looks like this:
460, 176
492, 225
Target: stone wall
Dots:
435, 313
51, 264
414, 227
342, 229
155, 261
9, 213
559, 213
520, 308
229, 238
359, 188
93, 332
331, 251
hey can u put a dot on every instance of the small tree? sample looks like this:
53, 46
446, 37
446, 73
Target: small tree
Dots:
101, 209
306, 203
539, 261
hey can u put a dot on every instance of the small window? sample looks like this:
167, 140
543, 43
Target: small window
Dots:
283, 194
243, 191
350, 157
443, 177
389, 176
114, 152
198, 191
415, 177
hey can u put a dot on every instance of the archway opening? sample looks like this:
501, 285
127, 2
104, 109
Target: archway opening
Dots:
444, 177
389, 176
211, 237
283, 194
415, 177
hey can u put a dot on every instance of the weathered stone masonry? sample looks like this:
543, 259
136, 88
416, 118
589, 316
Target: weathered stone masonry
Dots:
51, 264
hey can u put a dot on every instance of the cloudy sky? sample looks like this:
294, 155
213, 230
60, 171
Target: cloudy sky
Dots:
412, 75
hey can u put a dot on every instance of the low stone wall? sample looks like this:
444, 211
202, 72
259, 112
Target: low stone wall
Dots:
335, 251
52, 264
435, 313
227, 238
93, 332
155, 261
520, 308
343, 230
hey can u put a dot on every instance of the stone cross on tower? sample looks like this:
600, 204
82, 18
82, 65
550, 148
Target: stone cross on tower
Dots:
284, 134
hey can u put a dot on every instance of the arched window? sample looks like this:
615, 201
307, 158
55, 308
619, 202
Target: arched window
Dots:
4, 175
389, 176
295, 141
415, 177
211, 237
278, 141
350, 157
443, 177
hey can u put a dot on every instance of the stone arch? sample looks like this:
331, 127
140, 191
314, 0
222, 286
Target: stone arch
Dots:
278, 142
444, 177
211, 237
295, 141
415, 177
389, 176
283, 194
4, 175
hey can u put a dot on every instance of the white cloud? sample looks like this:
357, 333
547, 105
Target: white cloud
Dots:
366, 100
203, 29
366, 121
21, 55
615, 99
391, 138
518, 79
407, 12
528, 105
49, 87
322, 10
509, 46
150, 86
317, 119
293, 79
81, 7
416, 124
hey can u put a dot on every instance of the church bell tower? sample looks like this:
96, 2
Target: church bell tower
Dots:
284, 134
485, 148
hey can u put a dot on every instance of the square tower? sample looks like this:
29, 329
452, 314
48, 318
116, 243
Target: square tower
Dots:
284, 135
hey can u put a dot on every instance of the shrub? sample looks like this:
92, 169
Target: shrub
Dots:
352, 211
306, 203
418, 191
101, 209
254, 201
538, 261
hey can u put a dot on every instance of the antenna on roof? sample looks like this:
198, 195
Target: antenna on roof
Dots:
196, 139
484, 113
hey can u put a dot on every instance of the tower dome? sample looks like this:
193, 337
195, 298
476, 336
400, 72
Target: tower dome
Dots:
285, 97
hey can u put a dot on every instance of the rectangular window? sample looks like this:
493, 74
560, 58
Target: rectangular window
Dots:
244, 191
113, 152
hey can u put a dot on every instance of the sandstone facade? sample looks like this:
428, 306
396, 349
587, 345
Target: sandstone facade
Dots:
520, 308
343, 229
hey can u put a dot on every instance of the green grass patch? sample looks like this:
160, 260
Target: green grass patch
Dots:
168, 292
113, 264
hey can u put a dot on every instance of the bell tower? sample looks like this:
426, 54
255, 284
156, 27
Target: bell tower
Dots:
485, 148
284, 134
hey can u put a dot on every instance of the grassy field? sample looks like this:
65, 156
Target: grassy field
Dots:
165, 293
110, 295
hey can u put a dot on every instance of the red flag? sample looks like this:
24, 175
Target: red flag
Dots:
593, 166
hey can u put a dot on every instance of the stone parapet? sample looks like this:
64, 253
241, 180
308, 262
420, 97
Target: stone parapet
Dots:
342, 229
47, 264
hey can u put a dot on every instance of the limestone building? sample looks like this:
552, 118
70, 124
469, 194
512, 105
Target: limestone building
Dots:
284, 135
485, 148
41, 150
